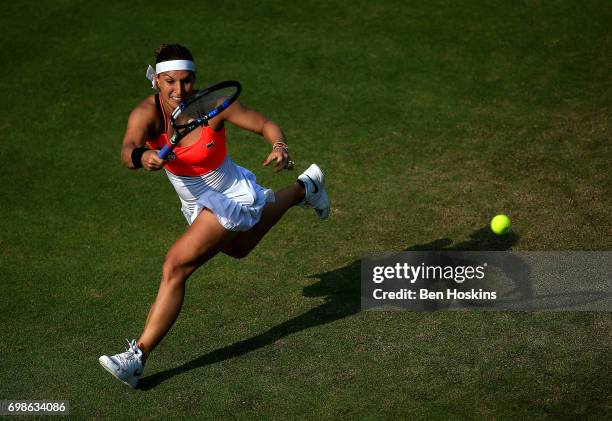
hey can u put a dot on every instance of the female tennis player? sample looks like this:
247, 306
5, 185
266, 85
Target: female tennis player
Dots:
227, 211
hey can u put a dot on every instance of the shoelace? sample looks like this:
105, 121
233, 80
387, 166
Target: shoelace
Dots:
131, 353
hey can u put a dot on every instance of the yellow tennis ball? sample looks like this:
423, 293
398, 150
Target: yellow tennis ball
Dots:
500, 224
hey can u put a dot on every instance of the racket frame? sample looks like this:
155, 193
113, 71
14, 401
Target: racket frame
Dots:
181, 130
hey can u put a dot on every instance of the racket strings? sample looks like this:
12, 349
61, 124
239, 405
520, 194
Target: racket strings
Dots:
202, 105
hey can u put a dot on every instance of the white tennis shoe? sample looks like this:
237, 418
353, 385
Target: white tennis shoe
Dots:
316, 196
127, 366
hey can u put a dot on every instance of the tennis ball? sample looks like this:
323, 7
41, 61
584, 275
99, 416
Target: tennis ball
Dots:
500, 224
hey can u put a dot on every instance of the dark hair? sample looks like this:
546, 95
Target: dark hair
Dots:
167, 52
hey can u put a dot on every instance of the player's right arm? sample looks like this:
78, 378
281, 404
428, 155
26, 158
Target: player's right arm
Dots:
141, 123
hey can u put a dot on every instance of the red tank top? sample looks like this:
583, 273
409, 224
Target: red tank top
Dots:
201, 157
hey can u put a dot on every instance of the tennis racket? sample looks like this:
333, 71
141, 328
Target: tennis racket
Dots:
199, 109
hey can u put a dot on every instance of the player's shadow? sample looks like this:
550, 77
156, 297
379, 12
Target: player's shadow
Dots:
515, 285
341, 291
448, 255
480, 240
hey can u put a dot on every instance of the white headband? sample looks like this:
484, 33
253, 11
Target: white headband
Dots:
167, 66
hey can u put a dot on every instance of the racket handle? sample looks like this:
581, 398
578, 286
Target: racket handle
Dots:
163, 154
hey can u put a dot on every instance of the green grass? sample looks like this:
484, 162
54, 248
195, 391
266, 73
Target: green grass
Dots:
428, 118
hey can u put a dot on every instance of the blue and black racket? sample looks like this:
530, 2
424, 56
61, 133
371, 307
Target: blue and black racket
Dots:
199, 109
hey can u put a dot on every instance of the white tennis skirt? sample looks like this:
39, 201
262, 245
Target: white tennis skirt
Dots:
231, 192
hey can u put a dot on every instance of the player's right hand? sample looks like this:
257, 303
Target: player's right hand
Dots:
152, 162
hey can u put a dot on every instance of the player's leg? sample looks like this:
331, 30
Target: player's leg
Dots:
202, 240
309, 192
245, 241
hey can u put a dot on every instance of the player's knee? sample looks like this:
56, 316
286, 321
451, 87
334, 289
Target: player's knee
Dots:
174, 270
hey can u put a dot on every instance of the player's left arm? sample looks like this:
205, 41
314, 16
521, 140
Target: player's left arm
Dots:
251, 120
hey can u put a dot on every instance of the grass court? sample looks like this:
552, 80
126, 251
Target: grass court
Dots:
428, 118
